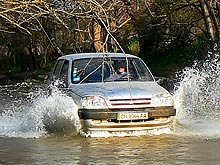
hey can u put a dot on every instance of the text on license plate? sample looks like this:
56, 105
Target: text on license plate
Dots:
131, 116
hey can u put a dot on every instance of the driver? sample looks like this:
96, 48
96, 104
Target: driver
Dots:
121, 72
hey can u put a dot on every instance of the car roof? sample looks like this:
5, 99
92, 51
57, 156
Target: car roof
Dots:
93, 55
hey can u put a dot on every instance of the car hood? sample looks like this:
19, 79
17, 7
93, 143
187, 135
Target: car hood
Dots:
119, 90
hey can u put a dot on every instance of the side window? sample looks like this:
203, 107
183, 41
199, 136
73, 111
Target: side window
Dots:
56, 73
64, 72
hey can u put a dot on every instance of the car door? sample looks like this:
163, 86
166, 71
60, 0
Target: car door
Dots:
59, 76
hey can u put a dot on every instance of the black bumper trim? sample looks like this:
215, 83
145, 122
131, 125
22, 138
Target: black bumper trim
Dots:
112, 114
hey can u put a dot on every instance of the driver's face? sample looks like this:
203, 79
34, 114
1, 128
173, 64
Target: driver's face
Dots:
122, 70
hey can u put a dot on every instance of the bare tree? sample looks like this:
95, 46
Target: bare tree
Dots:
50, 26
210, 11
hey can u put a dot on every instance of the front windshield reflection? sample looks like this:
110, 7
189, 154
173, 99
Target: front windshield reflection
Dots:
109, 69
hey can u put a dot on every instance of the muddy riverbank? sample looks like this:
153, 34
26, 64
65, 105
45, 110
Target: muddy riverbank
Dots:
13, 78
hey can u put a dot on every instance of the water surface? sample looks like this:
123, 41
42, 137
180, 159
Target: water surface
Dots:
193, 139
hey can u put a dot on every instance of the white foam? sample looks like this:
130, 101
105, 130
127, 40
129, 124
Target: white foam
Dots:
197, 98
137, 133
29, 119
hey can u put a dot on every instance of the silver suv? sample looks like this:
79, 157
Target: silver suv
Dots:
113, 92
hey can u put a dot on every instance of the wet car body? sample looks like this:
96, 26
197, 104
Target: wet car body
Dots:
108, 100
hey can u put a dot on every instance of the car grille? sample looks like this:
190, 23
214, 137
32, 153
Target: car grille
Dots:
129, 103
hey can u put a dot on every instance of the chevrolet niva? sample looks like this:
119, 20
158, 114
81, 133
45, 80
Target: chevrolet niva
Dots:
113, 92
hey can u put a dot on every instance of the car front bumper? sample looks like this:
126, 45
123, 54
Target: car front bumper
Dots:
106, 120
112, 114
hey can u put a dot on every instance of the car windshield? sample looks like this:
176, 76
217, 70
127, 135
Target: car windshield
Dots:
109, 69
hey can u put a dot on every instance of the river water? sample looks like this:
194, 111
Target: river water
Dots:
193, 139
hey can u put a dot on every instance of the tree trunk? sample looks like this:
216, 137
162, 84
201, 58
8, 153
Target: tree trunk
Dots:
97, 35
208, 21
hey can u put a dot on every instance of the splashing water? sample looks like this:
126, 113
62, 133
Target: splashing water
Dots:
35, 113
137, 133
38, 115
60, 113
197, 98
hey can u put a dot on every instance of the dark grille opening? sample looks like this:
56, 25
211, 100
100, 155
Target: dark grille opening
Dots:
130, 99
136, 101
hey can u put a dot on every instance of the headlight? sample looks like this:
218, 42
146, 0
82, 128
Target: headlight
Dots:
161, 100
90, 102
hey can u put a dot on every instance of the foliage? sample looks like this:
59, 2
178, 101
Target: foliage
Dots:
35, 32
178, 57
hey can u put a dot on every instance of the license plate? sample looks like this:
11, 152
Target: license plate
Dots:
131, 116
